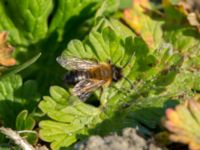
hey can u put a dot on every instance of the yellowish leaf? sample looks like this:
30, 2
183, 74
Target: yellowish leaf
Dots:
183, 122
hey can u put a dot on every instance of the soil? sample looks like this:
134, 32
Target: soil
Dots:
129, 140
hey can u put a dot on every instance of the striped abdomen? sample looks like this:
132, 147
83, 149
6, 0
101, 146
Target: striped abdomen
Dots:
103, 72
75, 76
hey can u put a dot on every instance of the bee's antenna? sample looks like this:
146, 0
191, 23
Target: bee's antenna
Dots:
132, 86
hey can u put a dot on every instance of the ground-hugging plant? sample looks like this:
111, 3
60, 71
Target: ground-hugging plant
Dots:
157, 70
158, 52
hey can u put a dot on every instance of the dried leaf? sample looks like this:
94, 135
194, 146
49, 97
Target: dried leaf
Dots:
194, 20
5, 51
193, 12
183, 122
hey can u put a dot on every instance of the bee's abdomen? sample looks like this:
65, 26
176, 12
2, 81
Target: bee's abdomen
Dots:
76, 76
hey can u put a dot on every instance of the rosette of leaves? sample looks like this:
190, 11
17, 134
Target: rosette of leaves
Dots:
119, 104
183, 123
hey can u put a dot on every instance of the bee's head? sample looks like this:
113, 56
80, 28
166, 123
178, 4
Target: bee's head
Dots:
117, 75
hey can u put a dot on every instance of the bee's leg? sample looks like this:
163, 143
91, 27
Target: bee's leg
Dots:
109, 61
122, 90
101, 93
102, 98
83, 97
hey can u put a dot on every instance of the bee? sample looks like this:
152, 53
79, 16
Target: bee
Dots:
88, 75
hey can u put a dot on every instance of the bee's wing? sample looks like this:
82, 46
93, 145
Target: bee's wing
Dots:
73, 63
84, 88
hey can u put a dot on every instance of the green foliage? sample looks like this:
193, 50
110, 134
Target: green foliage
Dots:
14, 97
39, 23
71, 118
34, 16
180, 77
156, 69
23, 121
99, 46
159, 55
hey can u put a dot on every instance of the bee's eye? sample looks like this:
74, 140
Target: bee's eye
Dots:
116, 74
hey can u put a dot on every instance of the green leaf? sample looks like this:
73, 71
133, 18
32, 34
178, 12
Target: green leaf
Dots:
34, 15
24, 122
27, 123
68, 120
99, 46
74, 8
107, 7
115, 25
7, 24
14, 96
